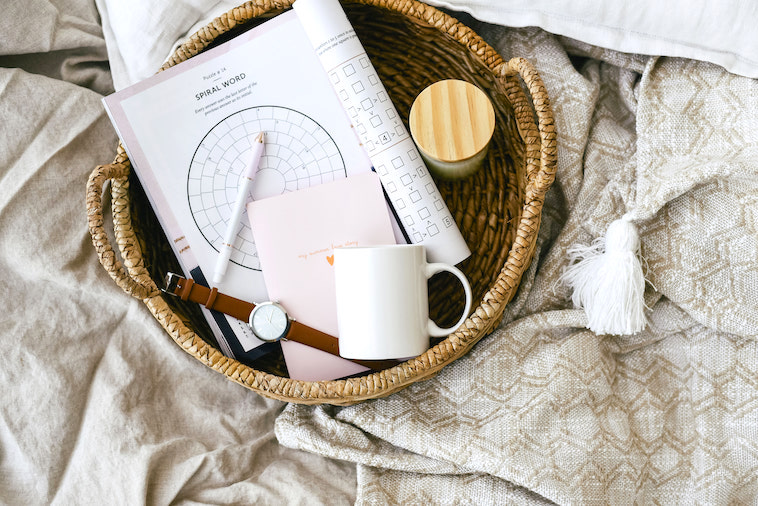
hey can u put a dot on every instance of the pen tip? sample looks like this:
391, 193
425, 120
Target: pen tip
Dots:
260, 137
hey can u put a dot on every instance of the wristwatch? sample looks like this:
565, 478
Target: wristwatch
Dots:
269, 321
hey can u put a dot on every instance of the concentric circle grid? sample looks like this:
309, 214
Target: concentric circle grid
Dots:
299, 153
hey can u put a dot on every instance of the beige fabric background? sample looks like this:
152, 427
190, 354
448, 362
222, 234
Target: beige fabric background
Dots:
100, 405
543, 410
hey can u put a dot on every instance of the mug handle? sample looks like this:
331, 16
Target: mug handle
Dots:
432, 269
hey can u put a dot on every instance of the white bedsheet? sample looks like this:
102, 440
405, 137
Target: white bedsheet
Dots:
99, 405
721, 32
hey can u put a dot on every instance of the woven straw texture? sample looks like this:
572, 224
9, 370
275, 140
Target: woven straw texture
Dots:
498, 209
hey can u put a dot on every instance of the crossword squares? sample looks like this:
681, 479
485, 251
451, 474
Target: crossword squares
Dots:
296, 132
331, 149
406, 180
202, 219
219, 195
193, 186
214, 218
197, 202
317, 152
239, 133
216, 154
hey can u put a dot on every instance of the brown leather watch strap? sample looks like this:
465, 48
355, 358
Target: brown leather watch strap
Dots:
211, 298
308, 335
187, 289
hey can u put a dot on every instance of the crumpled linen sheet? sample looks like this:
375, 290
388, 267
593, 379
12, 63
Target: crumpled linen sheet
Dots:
99, 404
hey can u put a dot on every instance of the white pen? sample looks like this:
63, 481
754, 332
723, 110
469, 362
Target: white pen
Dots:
239, 206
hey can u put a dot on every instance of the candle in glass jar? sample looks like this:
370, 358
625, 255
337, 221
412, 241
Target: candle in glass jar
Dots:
452, 123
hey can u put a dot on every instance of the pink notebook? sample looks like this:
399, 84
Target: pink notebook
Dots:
295, 235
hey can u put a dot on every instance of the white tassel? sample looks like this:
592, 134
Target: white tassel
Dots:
608, 281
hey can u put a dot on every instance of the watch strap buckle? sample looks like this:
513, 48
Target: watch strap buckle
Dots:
172, 282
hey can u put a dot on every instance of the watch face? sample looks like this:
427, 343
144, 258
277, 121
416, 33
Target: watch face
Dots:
269, 321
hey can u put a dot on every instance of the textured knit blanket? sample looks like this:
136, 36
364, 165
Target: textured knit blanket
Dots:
544, 410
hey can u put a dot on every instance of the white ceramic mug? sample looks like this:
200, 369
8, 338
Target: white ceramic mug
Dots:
383, 302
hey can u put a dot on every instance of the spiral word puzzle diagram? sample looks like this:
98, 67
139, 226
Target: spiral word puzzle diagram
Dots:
298, 153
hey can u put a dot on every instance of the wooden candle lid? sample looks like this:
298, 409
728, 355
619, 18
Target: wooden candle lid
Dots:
452, 121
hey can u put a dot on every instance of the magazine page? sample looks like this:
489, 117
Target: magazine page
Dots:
189, 131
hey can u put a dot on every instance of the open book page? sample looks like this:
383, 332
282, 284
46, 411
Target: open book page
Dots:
410, 188
188, 133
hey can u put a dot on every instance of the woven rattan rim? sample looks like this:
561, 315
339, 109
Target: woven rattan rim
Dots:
539, 171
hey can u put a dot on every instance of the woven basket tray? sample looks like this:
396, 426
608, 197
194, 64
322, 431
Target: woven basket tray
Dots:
498, 209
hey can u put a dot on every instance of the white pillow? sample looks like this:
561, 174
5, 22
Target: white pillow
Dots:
724, 32
141, 34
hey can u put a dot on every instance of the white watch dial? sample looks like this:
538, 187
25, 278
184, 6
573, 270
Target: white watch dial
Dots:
269, 322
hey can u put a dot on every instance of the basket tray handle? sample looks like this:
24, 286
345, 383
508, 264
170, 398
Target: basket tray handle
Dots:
118, 173
540, 138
